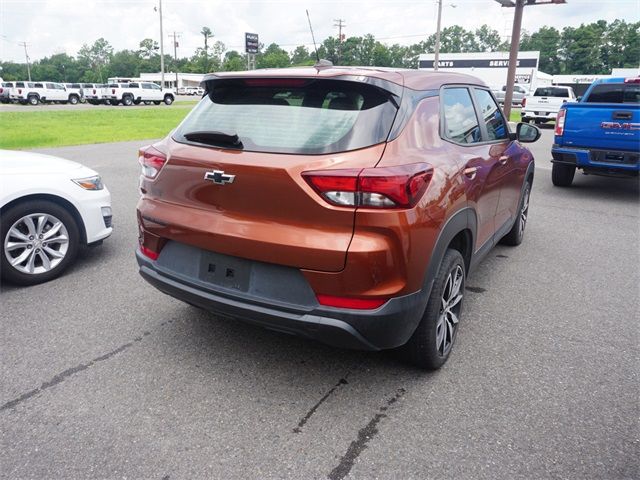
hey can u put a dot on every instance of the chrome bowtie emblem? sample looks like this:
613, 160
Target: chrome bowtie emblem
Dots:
219, 177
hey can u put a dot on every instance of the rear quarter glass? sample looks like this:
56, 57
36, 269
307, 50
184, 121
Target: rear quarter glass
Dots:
300, 116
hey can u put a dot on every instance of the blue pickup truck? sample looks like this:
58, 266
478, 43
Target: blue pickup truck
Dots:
599, 134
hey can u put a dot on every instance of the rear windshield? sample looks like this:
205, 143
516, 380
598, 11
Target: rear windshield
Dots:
7, 84
114, 85
551, 92
615, 93
20, 84
294, 115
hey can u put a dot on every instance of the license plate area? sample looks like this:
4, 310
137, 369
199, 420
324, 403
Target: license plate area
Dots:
225, 271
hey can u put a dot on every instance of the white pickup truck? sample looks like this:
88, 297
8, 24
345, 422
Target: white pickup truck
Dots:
544, 104
41, 92
135, 93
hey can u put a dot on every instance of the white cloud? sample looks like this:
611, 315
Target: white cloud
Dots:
52, 26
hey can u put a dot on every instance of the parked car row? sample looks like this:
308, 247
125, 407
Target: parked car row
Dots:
132, 93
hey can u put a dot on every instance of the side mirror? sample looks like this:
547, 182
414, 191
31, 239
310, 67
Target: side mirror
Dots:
526, 133
579, 98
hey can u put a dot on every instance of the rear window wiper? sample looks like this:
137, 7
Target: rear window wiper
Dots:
215, 138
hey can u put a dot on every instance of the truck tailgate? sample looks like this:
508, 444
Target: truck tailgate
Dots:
602, 125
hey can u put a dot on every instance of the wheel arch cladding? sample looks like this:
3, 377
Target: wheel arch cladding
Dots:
459, 232
62, 202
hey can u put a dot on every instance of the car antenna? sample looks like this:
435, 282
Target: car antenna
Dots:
313, 38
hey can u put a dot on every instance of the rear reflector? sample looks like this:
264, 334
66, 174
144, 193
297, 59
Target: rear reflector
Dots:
349, 302
147, 252
524, 102
401, 186
632, 80
562, 115
151, 160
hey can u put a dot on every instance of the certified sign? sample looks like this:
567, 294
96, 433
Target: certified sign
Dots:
251, 44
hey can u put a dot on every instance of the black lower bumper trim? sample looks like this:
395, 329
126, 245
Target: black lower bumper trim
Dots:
387, 327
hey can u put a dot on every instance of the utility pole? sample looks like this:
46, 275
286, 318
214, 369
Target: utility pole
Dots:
161, 46
340, 24
26, 56
175, 54
515, 44
436, 59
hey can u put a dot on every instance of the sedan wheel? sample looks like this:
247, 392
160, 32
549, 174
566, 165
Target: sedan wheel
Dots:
39, 241
36, 243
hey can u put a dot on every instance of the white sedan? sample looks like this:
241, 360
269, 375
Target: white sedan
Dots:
49, 207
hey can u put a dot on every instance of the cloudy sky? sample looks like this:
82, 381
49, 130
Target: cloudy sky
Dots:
56, 26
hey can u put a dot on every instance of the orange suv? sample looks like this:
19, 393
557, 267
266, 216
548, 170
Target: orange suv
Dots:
341, 204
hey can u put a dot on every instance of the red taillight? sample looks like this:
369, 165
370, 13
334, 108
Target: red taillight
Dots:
1, 90
19, 91
350, 302
94, 91
524, 102
385, 187
562, 114
147, 252
632, 80
151, 161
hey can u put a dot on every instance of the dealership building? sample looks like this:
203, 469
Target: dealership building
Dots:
491, 67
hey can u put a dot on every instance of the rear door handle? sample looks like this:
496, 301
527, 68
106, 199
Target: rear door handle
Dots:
470, 172
503, 159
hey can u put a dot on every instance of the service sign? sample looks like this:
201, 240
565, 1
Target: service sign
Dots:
251, 44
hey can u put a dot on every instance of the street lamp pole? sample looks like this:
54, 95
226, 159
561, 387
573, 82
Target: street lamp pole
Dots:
161, 46
515, 43
513, 57
437, 47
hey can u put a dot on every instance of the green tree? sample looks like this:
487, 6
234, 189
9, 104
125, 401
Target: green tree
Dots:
487, 39
547, 40
94, 60
273, 57
148, 48
301, 56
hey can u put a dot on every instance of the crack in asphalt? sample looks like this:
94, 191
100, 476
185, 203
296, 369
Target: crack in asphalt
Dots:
60, 377
364, 436
305, 419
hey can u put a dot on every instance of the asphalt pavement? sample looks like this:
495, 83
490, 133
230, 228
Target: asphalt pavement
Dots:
105, 377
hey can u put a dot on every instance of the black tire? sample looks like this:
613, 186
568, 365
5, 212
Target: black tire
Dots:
562, 175
127, 100
168, 99
74, 99
157, 102
137, 101
422, 349
20, 210
516, 234
33, 100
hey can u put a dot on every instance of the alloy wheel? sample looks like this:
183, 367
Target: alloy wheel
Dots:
36, 243
450, 310
524, 211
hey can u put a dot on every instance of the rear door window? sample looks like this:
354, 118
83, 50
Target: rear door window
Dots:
296, 115
491, 116
460, 120
551, 92
615, 93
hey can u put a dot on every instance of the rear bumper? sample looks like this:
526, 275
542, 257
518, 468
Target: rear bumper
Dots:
611, 161
538, 115
389, 326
